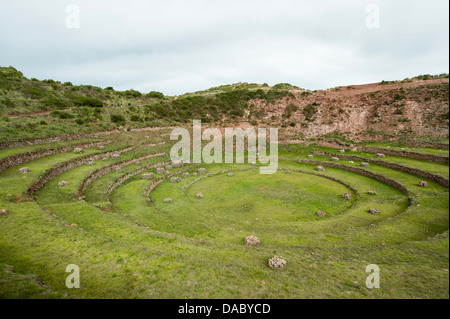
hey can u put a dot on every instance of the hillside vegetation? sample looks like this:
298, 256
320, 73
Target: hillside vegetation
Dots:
30, 108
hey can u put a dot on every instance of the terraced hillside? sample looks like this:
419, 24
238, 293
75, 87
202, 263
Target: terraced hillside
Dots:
137, 227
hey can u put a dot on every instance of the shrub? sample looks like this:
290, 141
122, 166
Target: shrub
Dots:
62, 115
309, 111
132, 93
88, 101
155, 95
118, 119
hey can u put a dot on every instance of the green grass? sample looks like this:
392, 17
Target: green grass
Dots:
139, 247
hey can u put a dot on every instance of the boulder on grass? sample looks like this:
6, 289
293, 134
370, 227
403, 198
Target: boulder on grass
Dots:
347, 196
374, 211
199, 196
202, 171
78, 150
423, 184
288, 171
24, 170
168, 200
115, 156
310, 156
230, 175
91, 163
364, 164
148, 176
4, 212
335, 159
63, 183
175, 179
342, 151
277, 262
371, 192
160, 170
380, 155
322, 214
185, 175
252, 241
320, 168
195, 174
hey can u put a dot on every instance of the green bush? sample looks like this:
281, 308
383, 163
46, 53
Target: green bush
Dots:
155, 95
118, 119
88, 101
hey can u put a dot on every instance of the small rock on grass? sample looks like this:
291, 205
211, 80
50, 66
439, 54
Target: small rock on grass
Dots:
199, 196
322, 214
168, 200
374, 211
277, 262
4, 212
252, 240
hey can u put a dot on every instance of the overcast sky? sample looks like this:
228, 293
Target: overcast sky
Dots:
189, 45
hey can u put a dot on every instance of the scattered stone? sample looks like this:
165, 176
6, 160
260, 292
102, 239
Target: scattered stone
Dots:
322, 214
310, 156
169, 167
175, 180
105, 159
351, 162
364, 164
371, 192
185, 175
168, 200
138, 163
230, 175
119, 170
209, 175
253, 163
82, 198
355, 149
115, 156
101, 147
78, 150
423, 184
379, 155
24, 170
335, 159
347, 196
160, 170
374, 211
91, 163
199, 196
202, 171
63, 183
277, 262
4, 212
342, 151
320, 168
177, 164
252, 241
288, 171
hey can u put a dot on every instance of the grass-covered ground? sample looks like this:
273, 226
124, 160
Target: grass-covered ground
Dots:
130, 245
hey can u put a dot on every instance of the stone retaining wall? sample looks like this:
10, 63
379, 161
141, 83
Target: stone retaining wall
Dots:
66, 166
109, 168
21, 158
414, 155
366, 173
415, 171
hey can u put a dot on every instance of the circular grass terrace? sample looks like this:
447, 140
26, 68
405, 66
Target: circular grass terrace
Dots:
131, 244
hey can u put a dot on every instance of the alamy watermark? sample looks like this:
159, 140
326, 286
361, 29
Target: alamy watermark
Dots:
373, 19
213, 152
373, 280
73, 280
73, 17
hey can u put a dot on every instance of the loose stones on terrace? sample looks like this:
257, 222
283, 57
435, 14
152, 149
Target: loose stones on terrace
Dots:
195, 174
341, 151
101, 147
105, 159
24, 170
199, 196
91, 163
3, 212
364, 164
252, 241
371, 192
277, 262
380, 155
374, 211
63, 183
335, 159
423, 184
230, 175
148, 176
115, 156
322, 214
347, 196
119, 170
320, 168
310, 156
185, 175
288, 171
175, 180
169, 167
202, 171
160, 170
78, 150
168, 200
